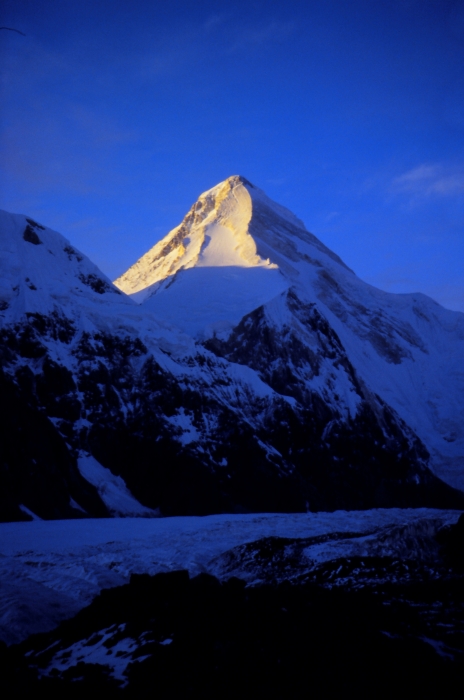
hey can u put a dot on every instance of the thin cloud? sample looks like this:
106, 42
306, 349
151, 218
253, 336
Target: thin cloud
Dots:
404, 279
272, 32
39, 152
213, 22
97, 129
175, 53
165, 62
451, 296
431, 180
277, 181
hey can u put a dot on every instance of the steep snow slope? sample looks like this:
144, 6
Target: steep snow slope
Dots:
237, 250
40, 271
50, 296
43, 275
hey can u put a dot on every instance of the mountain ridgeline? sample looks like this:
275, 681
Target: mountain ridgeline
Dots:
238, 366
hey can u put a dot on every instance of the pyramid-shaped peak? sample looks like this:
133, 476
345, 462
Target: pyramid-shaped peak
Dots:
231, 182
239, 180
215, 195
232, 225
239, 194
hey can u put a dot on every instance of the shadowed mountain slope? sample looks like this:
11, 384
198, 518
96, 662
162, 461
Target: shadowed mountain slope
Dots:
258, 374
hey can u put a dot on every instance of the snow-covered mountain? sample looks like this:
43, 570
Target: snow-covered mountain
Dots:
41, 271
258, 373
237, 251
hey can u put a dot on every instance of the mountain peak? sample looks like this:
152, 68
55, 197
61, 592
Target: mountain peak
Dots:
239, 180
231, 182
232, 227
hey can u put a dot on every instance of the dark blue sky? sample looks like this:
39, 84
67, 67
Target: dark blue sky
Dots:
116, 115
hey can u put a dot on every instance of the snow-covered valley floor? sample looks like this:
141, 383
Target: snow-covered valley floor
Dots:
234, 604
51, 569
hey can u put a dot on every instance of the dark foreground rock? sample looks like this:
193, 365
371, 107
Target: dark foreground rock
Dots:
173, 636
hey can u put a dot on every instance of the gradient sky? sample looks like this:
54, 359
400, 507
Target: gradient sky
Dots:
117, 114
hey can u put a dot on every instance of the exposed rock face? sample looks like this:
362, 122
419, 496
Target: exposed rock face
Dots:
259, 374
188, 636
206, 443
